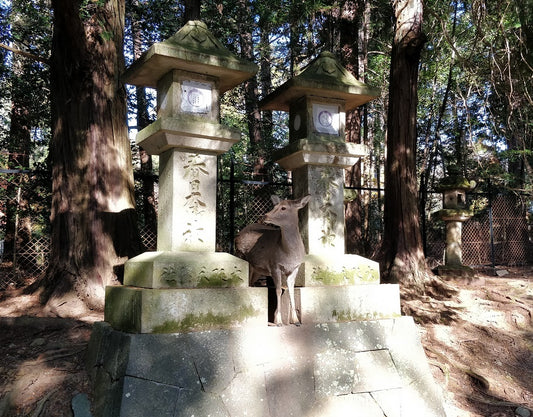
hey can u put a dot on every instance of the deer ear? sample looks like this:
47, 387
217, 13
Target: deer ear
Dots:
275, 199
303, 201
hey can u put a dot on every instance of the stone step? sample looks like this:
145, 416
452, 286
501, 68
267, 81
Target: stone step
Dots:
344, 303
181, 310
176, 310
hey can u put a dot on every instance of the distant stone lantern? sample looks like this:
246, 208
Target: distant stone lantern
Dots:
454, 213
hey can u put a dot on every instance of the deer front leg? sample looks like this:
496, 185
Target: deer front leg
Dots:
277, 314
292, 308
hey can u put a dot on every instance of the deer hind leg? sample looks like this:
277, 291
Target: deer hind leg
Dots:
293, 318
277, 314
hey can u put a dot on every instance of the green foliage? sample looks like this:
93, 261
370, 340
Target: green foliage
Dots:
474, 91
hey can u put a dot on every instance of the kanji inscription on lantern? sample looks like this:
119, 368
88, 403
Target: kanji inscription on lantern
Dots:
195, 97
326, 118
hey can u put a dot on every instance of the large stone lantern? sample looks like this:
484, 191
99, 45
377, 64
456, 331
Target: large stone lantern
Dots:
329, 279
454, 213
317, 101
185, 285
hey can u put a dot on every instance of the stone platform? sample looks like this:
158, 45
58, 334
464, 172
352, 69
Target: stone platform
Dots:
371, 368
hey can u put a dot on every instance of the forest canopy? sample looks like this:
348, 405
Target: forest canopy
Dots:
474, 85
474, 112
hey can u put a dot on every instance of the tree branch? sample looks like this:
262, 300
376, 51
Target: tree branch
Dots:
25, 54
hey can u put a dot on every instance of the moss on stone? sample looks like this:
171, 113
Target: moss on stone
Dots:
454, 214
346, 276
455, 182
350, 315
206, 321
219, 279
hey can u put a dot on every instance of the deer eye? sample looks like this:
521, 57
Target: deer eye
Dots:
283, 208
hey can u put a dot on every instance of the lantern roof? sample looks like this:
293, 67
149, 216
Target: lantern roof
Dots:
195, 49
324, 77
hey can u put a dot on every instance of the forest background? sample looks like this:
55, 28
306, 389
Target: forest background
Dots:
474, 107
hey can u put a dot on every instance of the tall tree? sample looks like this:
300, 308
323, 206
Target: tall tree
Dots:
192, 10
401, 254
353, 31
149, 210
93, 220
251, 89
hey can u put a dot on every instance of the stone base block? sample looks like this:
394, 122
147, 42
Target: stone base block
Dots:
343, 303
186, 270
455, 271
333, 269
143, 310
372, 368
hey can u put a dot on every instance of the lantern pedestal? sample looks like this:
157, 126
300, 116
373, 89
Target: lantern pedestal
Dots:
186, 335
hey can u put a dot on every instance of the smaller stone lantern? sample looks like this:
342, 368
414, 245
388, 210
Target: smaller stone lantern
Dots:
454, 213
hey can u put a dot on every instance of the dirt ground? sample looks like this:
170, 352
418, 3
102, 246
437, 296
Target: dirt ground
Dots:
479, 343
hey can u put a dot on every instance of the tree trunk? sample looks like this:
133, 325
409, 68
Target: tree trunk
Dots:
401, 254
251, 91
149, 209
350, 26
265, 74
18, 221
93, 217
192, 10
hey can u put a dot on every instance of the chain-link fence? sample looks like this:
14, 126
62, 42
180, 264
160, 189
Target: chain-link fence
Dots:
499, 233
241, 202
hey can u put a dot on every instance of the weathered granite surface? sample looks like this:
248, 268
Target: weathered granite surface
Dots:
371, 368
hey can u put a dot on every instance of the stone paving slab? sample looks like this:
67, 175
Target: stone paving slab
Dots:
321, 370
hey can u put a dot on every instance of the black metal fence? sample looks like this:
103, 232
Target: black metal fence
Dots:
499, 233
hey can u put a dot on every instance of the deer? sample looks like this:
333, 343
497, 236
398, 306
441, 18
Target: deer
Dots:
275, 252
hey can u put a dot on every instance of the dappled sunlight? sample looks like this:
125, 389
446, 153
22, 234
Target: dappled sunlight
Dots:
34, 379
484, 354
42, 366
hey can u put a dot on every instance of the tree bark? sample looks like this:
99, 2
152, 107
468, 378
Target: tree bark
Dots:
251, 91
192, 10
18, 222
149, 209
350, 25
93, 217
401, 254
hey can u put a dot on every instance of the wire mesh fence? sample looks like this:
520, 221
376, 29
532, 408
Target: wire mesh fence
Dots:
241, 202
498, 234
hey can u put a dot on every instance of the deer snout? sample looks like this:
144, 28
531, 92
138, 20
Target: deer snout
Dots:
267, 219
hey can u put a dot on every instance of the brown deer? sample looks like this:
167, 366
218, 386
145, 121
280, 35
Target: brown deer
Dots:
275, 252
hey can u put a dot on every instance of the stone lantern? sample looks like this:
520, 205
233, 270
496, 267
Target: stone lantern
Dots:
328, 281
454, 213
317, 101
190, 71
